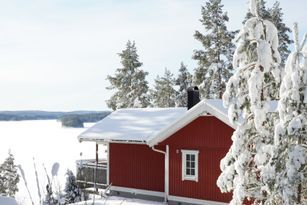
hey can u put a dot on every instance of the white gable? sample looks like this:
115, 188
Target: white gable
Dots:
132, 125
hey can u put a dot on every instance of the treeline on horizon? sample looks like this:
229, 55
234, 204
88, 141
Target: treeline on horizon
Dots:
68, 119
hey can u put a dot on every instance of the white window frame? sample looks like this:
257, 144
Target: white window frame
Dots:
183, 165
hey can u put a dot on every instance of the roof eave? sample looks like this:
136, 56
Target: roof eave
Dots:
104, 141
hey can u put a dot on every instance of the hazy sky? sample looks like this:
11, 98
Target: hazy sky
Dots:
56, 54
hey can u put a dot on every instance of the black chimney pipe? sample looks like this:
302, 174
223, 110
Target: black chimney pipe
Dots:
193, 96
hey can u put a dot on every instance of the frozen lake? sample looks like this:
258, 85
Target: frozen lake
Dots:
48, 142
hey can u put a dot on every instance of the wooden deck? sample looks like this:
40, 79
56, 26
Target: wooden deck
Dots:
91, 174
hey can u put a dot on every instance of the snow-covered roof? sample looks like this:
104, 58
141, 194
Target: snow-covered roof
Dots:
134, 125
153, 125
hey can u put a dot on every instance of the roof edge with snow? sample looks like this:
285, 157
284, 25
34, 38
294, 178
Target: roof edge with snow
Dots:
202, 108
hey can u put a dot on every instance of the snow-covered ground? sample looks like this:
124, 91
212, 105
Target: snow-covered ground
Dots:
7, 201
48, 143
119, 200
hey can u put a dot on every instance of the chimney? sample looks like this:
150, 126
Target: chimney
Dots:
193, 96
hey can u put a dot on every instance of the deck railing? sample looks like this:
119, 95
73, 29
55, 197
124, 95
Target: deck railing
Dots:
91, 174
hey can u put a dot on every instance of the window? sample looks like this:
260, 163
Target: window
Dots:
190, 165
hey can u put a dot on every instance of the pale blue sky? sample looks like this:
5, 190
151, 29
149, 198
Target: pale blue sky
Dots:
56, 54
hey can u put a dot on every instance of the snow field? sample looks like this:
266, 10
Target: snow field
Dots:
47, 142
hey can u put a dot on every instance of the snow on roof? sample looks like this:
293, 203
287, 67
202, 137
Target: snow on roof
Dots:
153, 125
132, 124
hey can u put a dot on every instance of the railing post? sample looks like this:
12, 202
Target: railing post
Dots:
95, 170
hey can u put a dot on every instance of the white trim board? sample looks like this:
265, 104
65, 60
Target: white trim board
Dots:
162, 194
194, 201
138, 191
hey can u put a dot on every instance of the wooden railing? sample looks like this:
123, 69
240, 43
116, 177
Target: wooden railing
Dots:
91, 174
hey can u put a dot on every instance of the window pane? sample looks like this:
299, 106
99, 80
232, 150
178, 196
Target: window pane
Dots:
188, 171
192, 164
188, 157
193, 157
188, 164
193, 172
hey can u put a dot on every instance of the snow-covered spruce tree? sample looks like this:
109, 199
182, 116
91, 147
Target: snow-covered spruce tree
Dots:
9, 177
247, 97
286, 173
164, 93
184, 81
214, 60
72, 190
129, 83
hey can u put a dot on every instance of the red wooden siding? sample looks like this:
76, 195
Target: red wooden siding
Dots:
136, 166
212, 138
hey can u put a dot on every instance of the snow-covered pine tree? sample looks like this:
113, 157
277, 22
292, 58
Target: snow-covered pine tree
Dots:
286, 173
9, 177
184, 81
129, 83
263, 12
247, 97
214, 60
164, 93
276, 16
72, 190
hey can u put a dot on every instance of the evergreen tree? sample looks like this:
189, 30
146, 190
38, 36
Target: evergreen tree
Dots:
214, 61
184, 81
247, 97
72, 191
9, 177
263, 12
164, 94
129, 81
276, 16
286, 173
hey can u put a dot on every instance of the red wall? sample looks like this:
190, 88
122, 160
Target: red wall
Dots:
213, 139
136, 166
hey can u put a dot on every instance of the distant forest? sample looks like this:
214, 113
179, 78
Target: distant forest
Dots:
68, 119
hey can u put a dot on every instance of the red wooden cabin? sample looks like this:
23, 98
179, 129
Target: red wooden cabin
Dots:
166, 153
